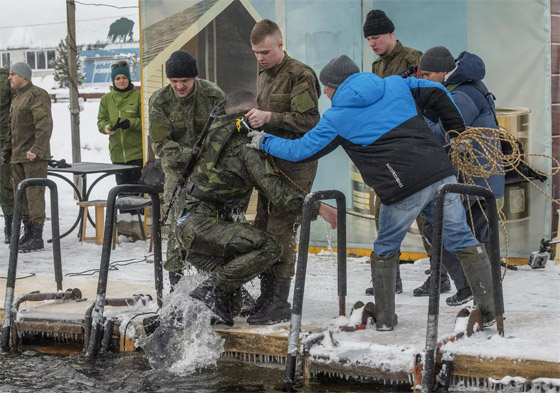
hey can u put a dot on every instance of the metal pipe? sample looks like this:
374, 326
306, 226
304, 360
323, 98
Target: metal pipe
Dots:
98, 309
297, 304
14, 249
435, 267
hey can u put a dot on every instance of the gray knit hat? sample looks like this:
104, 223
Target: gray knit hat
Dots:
22, 69
437, 59
337, 70
377, 23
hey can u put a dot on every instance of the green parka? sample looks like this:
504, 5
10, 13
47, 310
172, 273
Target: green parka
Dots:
125, 145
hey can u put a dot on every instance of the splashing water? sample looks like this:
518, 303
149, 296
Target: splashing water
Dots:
185, 341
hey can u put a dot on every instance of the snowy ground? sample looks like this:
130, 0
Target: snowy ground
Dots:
531, 296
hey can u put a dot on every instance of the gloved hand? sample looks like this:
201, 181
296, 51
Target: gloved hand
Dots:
125, 124
256, 137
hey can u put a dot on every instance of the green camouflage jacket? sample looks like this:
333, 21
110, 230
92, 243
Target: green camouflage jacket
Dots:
290, 91
227, 170
394, 63
176, 122
5, 100
31, 125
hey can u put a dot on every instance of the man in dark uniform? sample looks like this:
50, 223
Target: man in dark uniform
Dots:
213, 231
287, 94
6, 189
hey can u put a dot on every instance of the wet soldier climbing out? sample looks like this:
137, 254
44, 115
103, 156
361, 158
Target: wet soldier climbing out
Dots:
378, 124
212, 230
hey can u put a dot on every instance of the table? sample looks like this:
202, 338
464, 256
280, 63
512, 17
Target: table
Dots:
83, 169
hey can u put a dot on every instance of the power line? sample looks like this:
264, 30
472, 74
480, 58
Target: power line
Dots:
104, 5
58, 23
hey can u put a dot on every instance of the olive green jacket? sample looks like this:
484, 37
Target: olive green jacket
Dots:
31, 125
5, 100
290, 91
125, 145
396, 62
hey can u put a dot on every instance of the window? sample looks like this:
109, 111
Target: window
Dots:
41, 59
5, 59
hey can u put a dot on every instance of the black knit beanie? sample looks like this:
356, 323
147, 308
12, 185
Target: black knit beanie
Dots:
337, 70
181, 64
377, 22
437, 59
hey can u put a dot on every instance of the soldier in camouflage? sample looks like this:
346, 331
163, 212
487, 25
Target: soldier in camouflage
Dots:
213, 230
178, 113
6, 189
287, 95
27, 149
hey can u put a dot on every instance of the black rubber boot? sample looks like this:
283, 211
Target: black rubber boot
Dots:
264, 300
424, 289
398, 285
7, 229
476, 265
384, 277
217, 301
279, 310
35, 242
26, 232
174, 278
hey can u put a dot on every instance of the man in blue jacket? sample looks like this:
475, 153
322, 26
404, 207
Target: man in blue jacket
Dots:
463, 79
376, 121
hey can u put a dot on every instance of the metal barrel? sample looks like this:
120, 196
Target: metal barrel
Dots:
14, 249
437, 250
98, 309
297, 304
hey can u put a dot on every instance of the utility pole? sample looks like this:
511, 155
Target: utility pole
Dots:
73, 86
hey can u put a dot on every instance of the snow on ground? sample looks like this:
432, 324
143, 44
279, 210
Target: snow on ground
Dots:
531, 296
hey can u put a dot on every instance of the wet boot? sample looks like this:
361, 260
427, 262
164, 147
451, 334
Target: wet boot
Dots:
264, 300
424, 289
216, 300
26, 232
384, 277
476, 266
35, 242
398, 286
279, 310
174, 278
7, 229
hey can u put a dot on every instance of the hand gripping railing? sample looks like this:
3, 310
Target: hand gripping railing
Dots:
297, 303
97, 314
14, 248
437, 249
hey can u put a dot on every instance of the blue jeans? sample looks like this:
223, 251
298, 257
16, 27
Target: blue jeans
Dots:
395, 219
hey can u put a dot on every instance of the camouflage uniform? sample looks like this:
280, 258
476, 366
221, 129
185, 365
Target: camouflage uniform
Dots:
6, 189
395, 62
213, 230
30, 130
290, 91
175, 124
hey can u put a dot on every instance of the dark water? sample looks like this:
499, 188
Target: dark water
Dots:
36, 372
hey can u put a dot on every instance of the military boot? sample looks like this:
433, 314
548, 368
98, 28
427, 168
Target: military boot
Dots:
216, 300
35, 242
424, 289
277, 311
384, 277
476, 266
7, 229
174, 278
26, 232
267, 289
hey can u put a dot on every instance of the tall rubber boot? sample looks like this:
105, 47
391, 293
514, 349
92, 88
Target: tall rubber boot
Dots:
35, 242
476, 266
7, 229
398, 286
174, 278
384, 277
267, 291
279, 310
26, 232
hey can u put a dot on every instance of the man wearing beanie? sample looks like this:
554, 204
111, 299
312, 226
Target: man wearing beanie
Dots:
463, 78
27, 149
178, 113
394, 58
288, 106
376, 121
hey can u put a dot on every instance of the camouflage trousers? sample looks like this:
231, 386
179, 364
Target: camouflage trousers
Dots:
281, 224
175, 258
233, 252
6, 189
33, 204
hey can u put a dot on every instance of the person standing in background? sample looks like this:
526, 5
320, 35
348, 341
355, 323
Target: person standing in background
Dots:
6, 189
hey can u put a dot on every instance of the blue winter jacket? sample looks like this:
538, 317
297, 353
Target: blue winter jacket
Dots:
476, 108
377, 123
